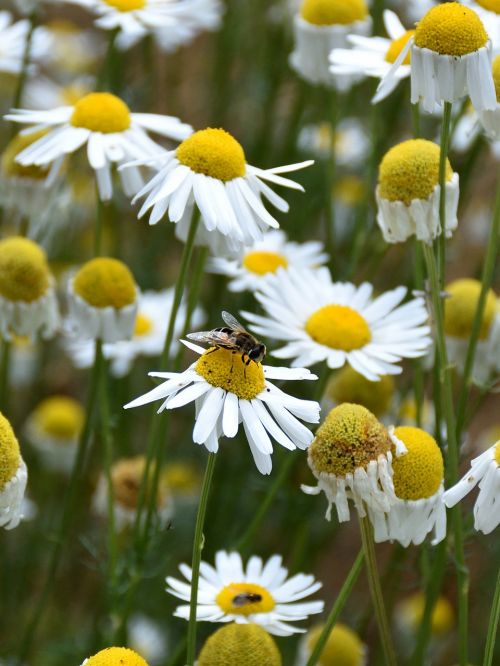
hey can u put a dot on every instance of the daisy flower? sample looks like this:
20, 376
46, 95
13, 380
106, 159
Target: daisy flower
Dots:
319, 27
259, 594
41, 93
112, 134
13, 43
13, 477
115, 655
227, 391
209, 170
340, 323
343, 646
374, 56
485, 471
408, 193
265, 257
240, 645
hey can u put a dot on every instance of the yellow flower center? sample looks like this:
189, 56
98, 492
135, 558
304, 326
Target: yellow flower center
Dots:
349, 437
182, 478
10, 455
105, 282
460, 309
59, 417
245, 599
410, 171
262, 263
127, 475
347, 385
24, 272
397, 46
126, 5
350, 190
339, 327
328, 12
116, 656
240, 645
227, 370
343, 647
101, 112
443, 617
13, 169
419, 472
496, 75
490, 5
451, 29
497, 453
143, 325
213, 152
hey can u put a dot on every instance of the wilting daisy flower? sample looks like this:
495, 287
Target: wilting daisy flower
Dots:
340, 323
227, 392
351, 458
374, 56
489, 13
351, 144
112, 134
485, 471
343, 647
209, 170
408, 193
53, 428
347, 385
13, 477
240, 645
259, 594
115, 655
28, 304
102, 299
147, 637
265, 257
13, 43
409, 613
323, 25
418, 485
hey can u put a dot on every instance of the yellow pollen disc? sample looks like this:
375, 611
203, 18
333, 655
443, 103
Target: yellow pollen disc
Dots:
245, 599
24, 272
339, 327
349, 437
497, 453
410, 171
227, 370
262, 263
10, 455
213, 152
60, 417
143, 325
347, 385
418, 473
343, 647
496, 76
329, 12
11, 168
240, 645
397, 46
460, 309
105, 282
451, 29
116, 656
443, 616
101, 112
490, 5
350, 190
126, 5
127, 475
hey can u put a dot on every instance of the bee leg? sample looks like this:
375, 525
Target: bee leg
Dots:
211, 351
245, 365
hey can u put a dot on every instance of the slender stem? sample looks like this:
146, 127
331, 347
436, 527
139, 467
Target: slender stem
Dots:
443, 156
337, 607
18, 95
492, 626
376, 591
415, 120
99, 219
106, 77
197, 549
330, 173
4, 373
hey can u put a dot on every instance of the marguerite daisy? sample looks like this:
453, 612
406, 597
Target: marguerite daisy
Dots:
340, 323
13, 43
112, 134
240, 645
343, 648
259, 593
13, 477
115, 655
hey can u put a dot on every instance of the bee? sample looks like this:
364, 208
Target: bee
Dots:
234, 337
246, 598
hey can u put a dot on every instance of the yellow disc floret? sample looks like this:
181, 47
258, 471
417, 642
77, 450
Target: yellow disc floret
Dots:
60, 417
213, 152
240, 645
10, 455
262, 263
126, 5
460, 309
127, 475
143, 325
24, 271
339, 327
349, 437
410, 171
397, 46
226, 369
443, 616
245, 599
329, 12
13, 169
101, 112
419, 472
496, 76
490, 5
116, 656
343, 647
451, 29
347, 385
105, 282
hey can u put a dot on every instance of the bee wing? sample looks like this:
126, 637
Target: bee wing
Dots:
209, 337
232, 322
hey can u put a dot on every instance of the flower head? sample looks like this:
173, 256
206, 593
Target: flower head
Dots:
451, 29
115, 655
240, 645
13, 477
409, 613
343, 647
12, 44
328, 12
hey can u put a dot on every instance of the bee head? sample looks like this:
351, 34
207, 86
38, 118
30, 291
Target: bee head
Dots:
257, 353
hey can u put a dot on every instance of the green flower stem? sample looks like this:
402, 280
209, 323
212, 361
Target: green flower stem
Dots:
4, 373
443, 156
197, 549
376, 591
337, 607
492, 626
99, 221
415, 120
330, 172
107, 78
